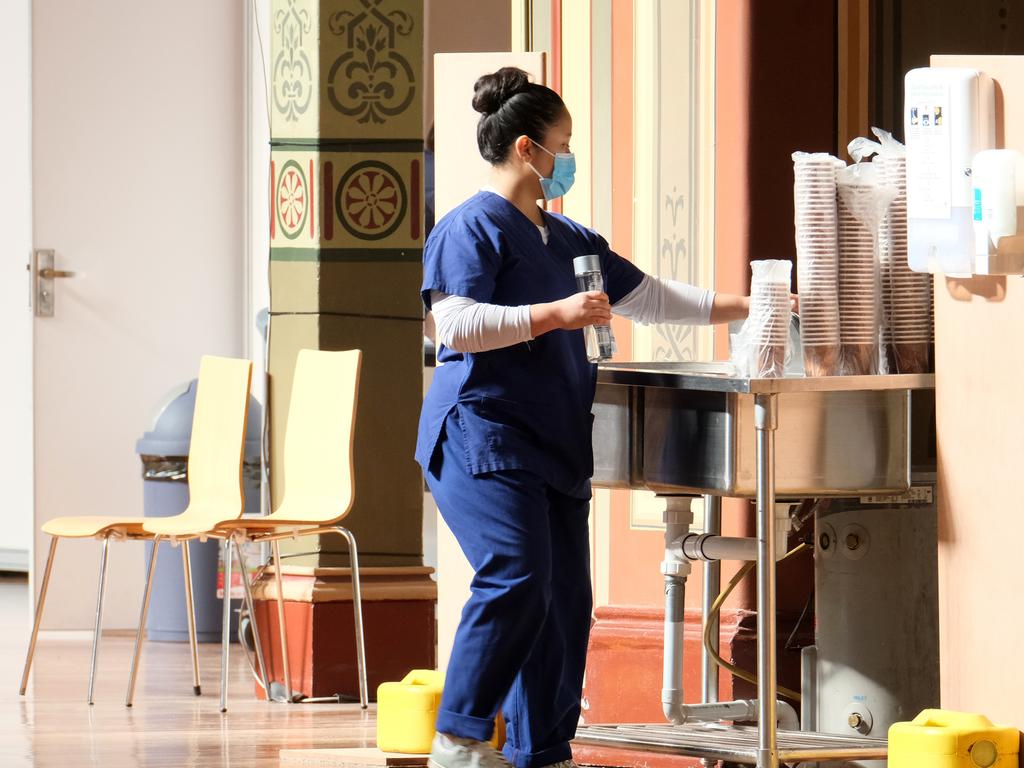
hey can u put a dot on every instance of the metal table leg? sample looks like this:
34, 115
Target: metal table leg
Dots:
712, 586
765, 418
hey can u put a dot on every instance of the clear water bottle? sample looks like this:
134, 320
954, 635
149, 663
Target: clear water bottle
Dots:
599, 339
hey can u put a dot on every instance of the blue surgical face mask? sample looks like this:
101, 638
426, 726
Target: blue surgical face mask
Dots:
563, 174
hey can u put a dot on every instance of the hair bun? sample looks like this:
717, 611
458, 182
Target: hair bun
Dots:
491, 91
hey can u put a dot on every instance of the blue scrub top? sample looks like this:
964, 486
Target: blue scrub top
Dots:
527, 406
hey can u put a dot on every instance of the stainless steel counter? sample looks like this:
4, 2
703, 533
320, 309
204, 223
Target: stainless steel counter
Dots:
689, 428
719, 377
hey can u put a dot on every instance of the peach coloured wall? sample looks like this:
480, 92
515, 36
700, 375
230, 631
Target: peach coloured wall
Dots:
979, 426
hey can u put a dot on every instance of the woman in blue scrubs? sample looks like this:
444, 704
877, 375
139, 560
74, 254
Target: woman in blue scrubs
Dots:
505, 432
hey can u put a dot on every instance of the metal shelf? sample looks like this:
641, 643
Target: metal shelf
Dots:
735, 743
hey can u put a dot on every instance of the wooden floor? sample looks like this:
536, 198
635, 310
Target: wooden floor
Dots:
52, 726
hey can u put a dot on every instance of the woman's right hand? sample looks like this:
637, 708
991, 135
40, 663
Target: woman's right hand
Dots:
571, 313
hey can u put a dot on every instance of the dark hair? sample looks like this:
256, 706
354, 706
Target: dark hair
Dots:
511, 107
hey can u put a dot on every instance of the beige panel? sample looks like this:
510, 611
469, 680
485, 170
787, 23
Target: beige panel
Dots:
673, 176
459, 171
386, 517
601, 117
356, 288
979, 422
576, 92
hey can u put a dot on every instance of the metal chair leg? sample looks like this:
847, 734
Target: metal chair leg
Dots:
99, 615
39, 615
357, 607
225, 630
282, 631
129, 698
190, 610
252, 619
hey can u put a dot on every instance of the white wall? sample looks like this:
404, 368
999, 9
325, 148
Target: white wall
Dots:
15, 314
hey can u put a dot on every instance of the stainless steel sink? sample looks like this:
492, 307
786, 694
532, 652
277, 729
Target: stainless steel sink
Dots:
689, 428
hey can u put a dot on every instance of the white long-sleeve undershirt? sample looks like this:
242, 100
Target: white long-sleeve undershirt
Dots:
465, 325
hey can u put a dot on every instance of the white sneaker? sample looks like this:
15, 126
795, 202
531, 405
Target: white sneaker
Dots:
457, 752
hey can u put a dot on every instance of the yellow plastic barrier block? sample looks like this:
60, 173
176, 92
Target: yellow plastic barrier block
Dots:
941, 739
407, 713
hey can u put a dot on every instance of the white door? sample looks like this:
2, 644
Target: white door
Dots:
138, 155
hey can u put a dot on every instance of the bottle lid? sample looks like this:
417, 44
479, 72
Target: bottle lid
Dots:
589, 263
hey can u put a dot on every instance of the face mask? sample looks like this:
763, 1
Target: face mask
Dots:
563, 174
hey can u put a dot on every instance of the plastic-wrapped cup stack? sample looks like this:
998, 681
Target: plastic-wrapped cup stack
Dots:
817, 251
859, 303
906, 295
769, 316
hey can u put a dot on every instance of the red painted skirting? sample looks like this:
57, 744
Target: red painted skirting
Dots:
624, 663
399, 636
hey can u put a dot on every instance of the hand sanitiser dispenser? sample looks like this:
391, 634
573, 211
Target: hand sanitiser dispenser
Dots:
948, 117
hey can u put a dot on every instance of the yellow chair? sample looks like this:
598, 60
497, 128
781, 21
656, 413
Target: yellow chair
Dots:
216, 454
318, 484
214, 468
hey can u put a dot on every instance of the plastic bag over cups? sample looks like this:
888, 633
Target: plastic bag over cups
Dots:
908, 323
863, 206
761, 347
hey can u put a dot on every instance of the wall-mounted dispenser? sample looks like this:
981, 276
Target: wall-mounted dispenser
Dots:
948, 117
997, 186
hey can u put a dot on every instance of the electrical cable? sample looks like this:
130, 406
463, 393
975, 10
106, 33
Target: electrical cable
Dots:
713, 614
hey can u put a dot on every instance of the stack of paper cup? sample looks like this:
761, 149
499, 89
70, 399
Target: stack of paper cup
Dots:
906, 295
769, 316
859, 301
814, 198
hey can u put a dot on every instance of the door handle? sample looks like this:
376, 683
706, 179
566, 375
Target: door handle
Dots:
48, 273
43, 274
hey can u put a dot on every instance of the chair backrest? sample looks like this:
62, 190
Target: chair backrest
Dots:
318, 443
218, 440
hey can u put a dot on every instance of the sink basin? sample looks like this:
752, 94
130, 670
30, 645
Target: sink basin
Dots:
681, 428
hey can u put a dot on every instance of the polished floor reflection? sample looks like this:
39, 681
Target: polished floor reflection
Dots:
52, 726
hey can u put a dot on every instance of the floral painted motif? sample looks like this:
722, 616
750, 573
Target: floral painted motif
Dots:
674, 342
293, 73
371, 80
371, 200
292, 200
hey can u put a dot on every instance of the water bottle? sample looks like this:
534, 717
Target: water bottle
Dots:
599, 339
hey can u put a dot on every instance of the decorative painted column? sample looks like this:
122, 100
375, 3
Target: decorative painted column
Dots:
346, 243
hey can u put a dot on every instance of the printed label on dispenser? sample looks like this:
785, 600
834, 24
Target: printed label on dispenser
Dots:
929, 185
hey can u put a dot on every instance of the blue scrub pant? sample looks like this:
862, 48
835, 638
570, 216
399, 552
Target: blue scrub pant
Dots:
522, 642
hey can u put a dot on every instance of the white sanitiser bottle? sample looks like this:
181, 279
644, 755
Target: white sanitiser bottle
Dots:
599, 339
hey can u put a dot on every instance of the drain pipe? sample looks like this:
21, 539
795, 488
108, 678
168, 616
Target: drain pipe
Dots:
675, 568
709, 547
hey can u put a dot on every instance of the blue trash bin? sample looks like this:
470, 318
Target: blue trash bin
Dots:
164, 454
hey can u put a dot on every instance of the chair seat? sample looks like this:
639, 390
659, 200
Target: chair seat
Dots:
177, 526
88, 526
267, 523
